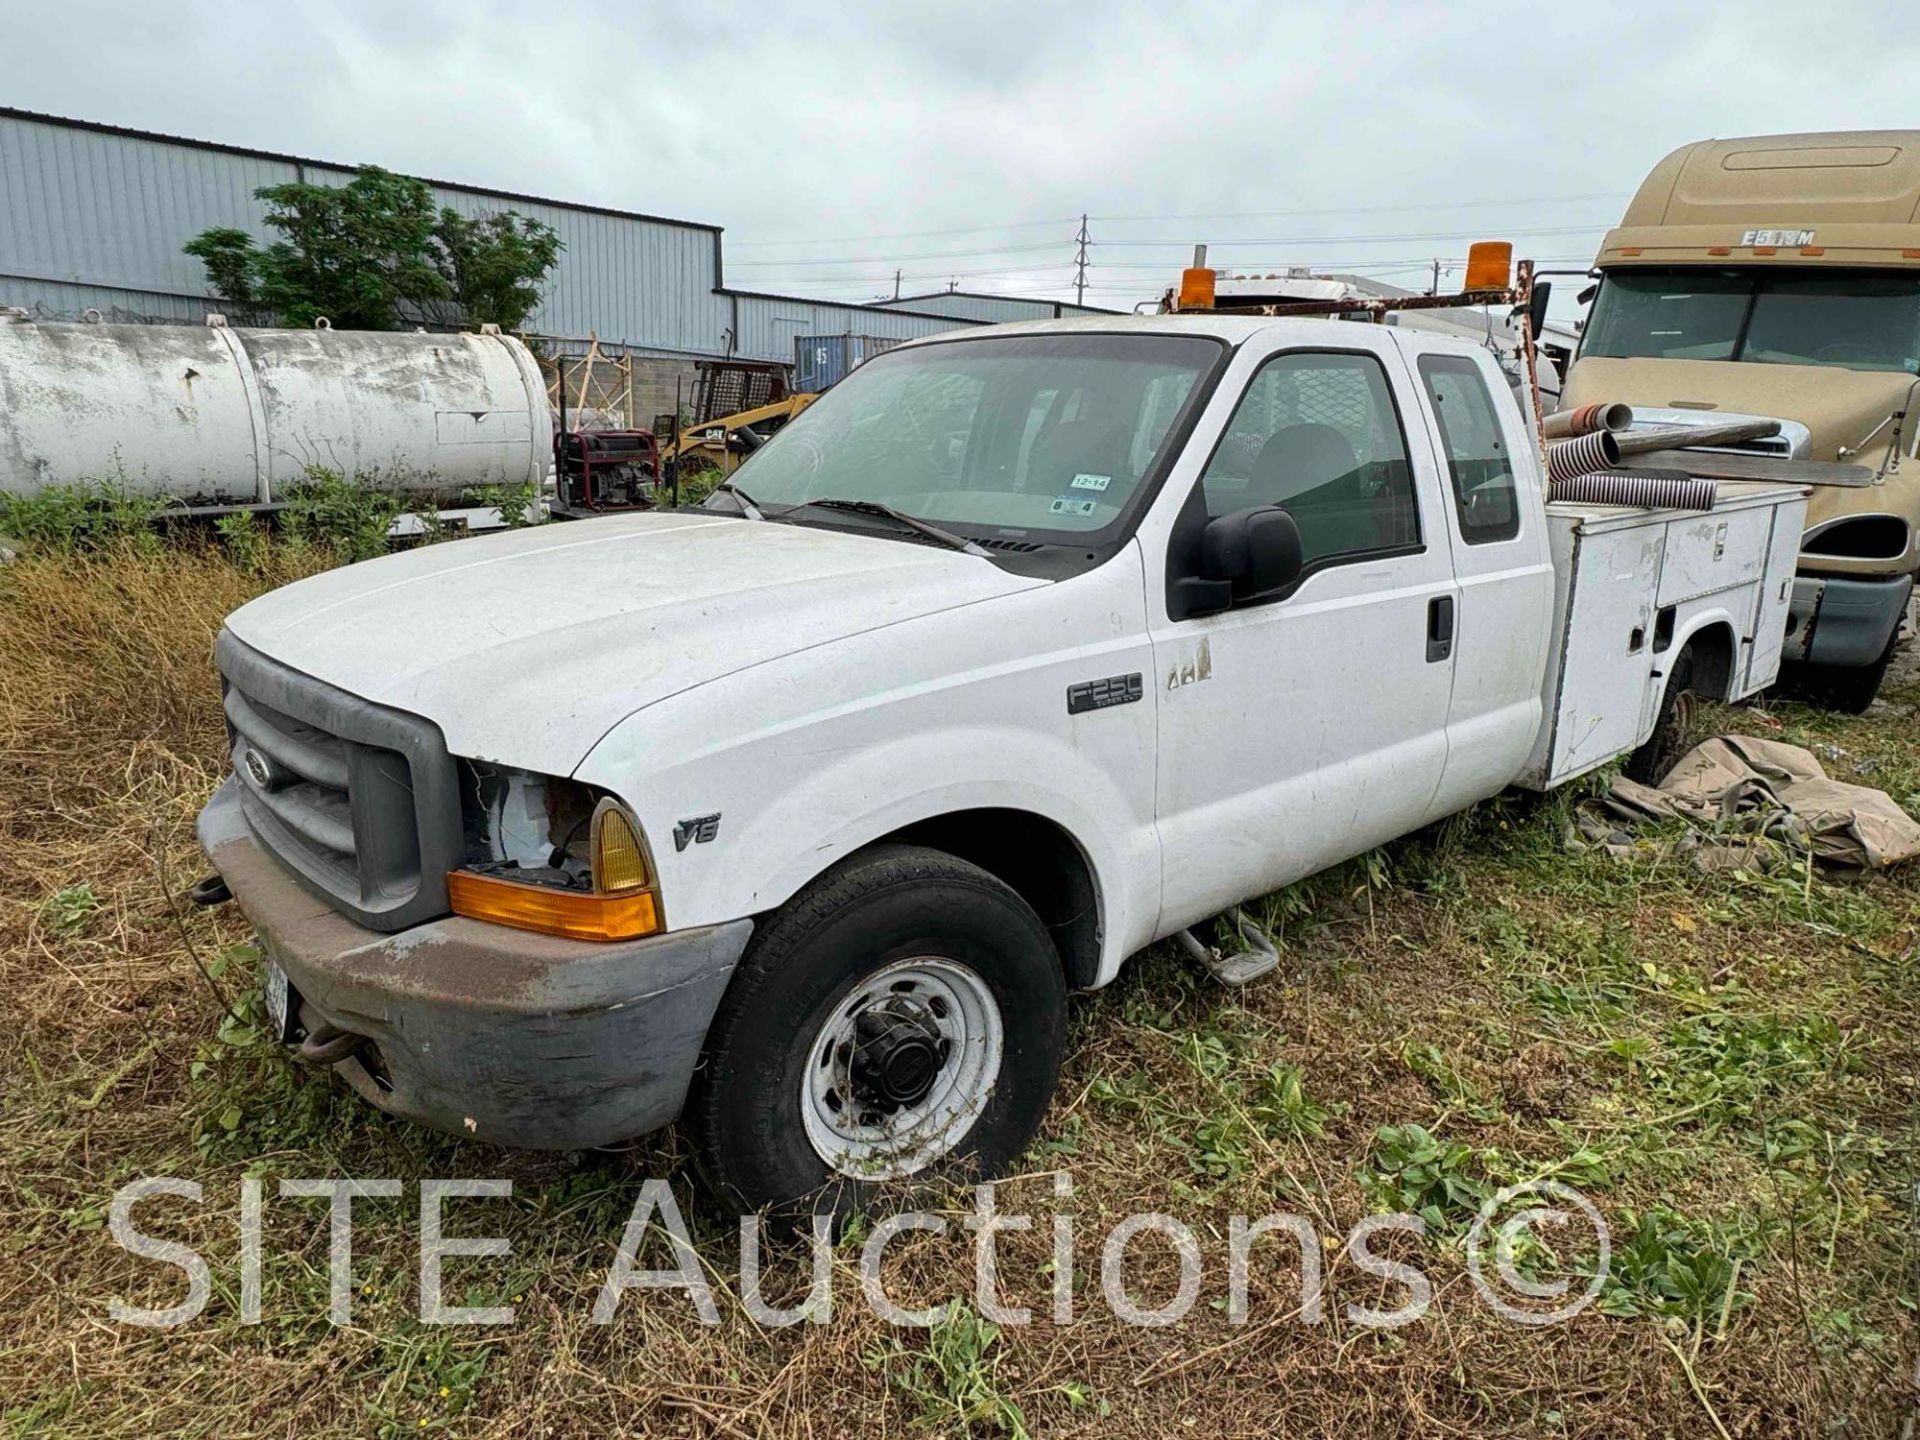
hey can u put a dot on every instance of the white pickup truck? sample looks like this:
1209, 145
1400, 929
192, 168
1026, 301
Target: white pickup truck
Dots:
797, 817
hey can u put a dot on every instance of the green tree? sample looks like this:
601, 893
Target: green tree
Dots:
493, 264
373, 254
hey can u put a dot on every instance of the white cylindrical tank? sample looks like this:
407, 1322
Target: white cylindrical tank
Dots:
218, 416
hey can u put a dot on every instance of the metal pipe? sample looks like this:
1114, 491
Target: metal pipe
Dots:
1599, 450
1623, 487
1586, 419
1687, 437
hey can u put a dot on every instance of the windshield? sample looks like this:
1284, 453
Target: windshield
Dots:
1856, 319
1040, 436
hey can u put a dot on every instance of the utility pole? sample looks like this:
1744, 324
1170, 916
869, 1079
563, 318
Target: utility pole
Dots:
1434, 289
1080, 264
896, 284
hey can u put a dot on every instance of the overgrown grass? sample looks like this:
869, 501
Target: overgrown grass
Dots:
342, 518
1724, 1063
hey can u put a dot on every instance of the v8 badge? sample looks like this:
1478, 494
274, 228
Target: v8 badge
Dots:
696, 830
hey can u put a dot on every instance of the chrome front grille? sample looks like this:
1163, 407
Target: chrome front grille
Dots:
357, 799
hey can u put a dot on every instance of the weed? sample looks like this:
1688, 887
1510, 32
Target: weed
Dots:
87, 516
696, 485
519, 505
955, 1379
1414, 1172
1672, 1268
1714, 1067
244, 540
1281, 1104
71, 907
1460, 1094
350, 517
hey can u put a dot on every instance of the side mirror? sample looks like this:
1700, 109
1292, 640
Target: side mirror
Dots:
1255, 551
1537, 311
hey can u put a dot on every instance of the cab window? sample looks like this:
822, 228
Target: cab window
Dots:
1476, 449
1317, 433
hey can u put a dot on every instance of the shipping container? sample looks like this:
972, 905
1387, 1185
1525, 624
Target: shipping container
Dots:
821, 361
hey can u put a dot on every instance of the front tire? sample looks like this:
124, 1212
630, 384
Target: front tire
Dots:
902, 1016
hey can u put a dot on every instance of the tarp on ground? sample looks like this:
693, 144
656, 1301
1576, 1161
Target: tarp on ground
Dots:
1769, 788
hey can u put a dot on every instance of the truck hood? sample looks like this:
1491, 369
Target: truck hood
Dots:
527, 647
1838, 407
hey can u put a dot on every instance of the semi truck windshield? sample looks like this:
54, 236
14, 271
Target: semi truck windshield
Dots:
1854, 319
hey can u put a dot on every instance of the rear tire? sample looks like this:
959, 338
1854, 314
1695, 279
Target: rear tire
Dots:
1849, 689
1673, 728
823, 1075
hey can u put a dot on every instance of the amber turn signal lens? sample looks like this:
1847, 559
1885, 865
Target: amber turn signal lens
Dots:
619, 859
1489, 265
573, 914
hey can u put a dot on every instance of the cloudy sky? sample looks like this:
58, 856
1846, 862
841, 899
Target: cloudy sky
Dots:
960, 143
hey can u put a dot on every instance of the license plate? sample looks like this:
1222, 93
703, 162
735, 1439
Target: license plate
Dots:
273, 985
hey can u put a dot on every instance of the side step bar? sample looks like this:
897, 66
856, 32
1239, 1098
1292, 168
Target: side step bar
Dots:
1259, 958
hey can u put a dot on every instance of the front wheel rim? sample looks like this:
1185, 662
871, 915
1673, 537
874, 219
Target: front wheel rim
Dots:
902, 1067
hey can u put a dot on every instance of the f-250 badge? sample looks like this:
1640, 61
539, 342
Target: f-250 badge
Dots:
696, 829
1099, 694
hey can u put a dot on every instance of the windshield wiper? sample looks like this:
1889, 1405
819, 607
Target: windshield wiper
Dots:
900, 517
748, 506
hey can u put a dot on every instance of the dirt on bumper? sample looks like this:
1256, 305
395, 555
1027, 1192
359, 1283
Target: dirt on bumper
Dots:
483, 1031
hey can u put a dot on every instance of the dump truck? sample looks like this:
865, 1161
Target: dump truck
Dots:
1779, 276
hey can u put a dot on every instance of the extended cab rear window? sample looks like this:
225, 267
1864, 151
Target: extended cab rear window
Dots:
1475, 449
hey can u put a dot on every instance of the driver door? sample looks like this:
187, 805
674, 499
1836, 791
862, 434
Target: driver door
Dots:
1300, 731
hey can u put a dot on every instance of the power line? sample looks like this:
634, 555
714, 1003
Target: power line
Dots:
1479, 234
912, 234
1082, 240
1382, 209
1485, 204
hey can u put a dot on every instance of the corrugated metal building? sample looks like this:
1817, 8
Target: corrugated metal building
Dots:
990, 309
93, 217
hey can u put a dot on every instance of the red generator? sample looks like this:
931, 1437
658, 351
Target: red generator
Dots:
598, 470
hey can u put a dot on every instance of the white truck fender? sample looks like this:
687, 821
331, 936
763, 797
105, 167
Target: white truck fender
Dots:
803, 761
782, 824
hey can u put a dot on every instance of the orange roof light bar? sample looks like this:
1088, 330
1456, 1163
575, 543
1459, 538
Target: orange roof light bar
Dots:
573, 914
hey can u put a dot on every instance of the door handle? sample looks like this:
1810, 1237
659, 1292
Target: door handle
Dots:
1439, 628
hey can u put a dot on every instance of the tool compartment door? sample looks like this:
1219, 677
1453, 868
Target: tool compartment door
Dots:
1716, 550
1775, 596
1606, 658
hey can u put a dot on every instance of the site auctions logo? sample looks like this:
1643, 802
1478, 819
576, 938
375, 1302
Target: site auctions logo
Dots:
1516, 1227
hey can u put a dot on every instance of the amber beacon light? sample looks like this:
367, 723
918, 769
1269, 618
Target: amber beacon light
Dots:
1489, 265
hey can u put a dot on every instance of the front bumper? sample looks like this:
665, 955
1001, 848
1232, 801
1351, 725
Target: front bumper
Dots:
1842, 622
483, 1031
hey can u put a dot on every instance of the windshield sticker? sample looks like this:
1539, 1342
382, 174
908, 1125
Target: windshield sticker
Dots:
1071, 507
1091, 482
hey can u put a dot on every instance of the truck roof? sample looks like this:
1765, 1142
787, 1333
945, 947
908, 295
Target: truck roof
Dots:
1234, 329
1847, 197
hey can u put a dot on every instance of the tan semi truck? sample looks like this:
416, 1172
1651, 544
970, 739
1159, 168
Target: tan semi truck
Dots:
1779, 276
